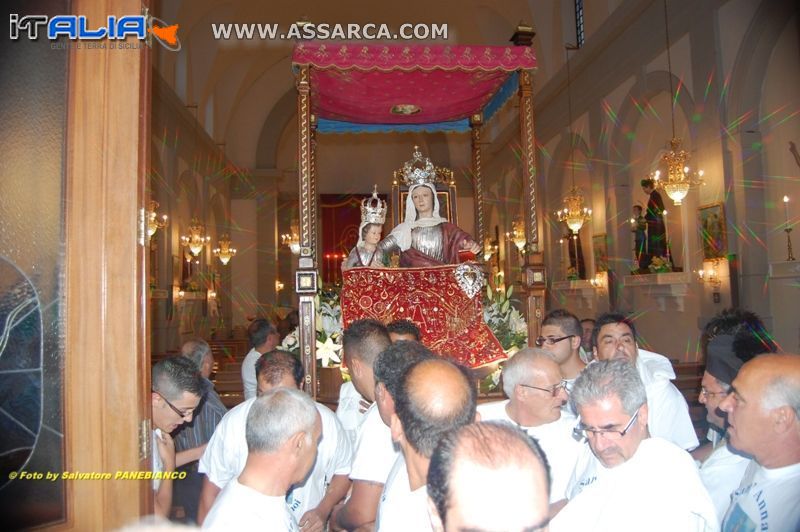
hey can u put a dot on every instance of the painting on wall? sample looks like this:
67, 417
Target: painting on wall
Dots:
712, 231
600, 250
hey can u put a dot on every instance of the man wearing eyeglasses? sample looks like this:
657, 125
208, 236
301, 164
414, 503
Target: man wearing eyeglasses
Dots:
614, 337
627, 480
561, 338
536, 393
177, 390
730, 339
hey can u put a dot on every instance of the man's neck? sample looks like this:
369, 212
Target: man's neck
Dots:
573, 366
522, 416
417, 467
781, 453
267, 473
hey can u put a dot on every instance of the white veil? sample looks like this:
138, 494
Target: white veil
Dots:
402, 233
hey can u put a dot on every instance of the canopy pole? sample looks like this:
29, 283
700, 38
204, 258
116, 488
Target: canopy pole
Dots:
534, 272
306, 275
314, 243
476, 123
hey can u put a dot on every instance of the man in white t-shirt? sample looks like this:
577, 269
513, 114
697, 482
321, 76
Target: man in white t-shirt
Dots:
561, 339
763, 416
374, 452
731, 338
533, 383
434, 398
264, 338
626, 480
311, 501
177, 390
615, 337
488, 476
283, 430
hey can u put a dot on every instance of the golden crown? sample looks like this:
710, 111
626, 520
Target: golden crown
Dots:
420, 170
373, 209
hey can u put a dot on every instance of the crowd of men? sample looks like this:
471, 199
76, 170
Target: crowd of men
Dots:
593, 435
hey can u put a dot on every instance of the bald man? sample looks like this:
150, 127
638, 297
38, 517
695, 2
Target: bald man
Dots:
488, 476
763, 408
434, 397
532, 380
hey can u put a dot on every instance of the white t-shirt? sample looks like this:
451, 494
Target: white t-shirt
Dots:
555, 439
375, 452
767, 499
240, 507
668, 415
401, 509
659, 488
249, 379
349, 410
226, 455
158, 465
721, 474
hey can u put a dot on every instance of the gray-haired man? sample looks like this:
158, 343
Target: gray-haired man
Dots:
626, 480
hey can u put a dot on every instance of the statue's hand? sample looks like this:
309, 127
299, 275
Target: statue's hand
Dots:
471, 246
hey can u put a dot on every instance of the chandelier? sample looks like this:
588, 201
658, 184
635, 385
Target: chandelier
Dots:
575, 213
680, 178
517, 234
292, 240
154, 221
224, 252
196, 239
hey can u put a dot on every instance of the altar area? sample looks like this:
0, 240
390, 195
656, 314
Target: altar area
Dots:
373, 89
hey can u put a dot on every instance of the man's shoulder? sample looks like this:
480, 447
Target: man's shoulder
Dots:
238, 413
654, 368
496, 410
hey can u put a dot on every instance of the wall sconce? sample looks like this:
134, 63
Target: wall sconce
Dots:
292, 240
490, 247
154, 221
517, 235
212, 295
600, 281
196, 239
278, 285
710, 274
224, 252
181, 294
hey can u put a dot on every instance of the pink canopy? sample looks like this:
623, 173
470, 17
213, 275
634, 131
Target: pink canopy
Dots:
406, 84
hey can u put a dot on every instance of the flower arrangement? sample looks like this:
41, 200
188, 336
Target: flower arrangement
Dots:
660, 265
572, 274
508, 325
329, 330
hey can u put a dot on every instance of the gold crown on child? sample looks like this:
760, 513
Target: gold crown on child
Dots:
373, 209
420, 170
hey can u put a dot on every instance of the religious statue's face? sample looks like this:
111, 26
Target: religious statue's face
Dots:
373, 234
423, 200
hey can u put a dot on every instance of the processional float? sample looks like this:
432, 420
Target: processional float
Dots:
360, 88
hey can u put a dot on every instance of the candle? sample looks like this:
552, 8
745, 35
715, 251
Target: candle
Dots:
666, 233
786, 209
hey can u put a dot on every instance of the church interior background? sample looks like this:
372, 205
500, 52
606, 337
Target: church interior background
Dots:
220, 133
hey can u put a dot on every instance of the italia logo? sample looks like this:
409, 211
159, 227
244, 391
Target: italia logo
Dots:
77, 28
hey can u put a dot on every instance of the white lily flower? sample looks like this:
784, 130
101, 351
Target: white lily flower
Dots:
327, 351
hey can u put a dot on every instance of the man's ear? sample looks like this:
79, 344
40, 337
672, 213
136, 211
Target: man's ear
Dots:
643, 414
783, 419
297, 442
575, 342
396, 428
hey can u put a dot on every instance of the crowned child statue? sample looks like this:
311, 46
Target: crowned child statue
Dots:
424, 238
366, 253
